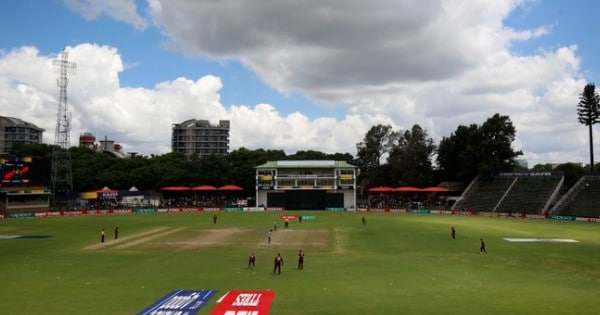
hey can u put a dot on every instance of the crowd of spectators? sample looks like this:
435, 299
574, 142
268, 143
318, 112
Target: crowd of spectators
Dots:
410, 202
198, 201
26, 201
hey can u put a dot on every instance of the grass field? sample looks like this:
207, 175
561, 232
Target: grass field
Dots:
396, 264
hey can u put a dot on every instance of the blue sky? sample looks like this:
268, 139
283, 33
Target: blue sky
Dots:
304, 75
571, 22
150, 61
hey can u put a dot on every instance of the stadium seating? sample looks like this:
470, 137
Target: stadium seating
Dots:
512, 194
583, 200
529, 194
484, 194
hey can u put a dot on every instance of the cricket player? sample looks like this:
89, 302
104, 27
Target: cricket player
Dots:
300, 260
251, 261
277, 264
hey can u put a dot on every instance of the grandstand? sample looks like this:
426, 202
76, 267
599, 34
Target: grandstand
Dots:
582, 200
483, 194
306, 185
530, 192
24, 199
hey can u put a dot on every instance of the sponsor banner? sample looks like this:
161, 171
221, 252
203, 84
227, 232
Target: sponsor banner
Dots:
532, 174
245, 302
21, 215
289, 217
377, 209
274, 209
362, 209
47, 214
512, 214
597, 220
444, 212
309, 217
170, 210
1, 216
535, 216
336, 209
120, 211
98, 212
232, 208
180, 302
562, 217
397, 210
422, 211
71, 213
146, 210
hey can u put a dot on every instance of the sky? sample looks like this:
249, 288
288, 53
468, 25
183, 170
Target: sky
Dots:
304, 75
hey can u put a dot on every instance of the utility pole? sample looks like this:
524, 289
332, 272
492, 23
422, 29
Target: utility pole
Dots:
62, 173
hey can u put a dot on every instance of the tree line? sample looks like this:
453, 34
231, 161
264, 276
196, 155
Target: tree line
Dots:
384, 157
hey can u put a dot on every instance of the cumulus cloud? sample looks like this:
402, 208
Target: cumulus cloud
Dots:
140, 119
120, 10
434, 63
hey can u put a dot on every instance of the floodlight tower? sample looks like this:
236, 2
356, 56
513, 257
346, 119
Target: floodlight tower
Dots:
62, 173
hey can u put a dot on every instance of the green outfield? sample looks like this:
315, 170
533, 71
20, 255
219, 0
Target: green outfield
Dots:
395, 264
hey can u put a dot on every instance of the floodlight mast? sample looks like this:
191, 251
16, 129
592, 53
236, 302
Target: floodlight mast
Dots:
62, 173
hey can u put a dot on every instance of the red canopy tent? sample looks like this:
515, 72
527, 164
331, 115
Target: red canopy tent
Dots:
106, 190
435, 189
408, 189
381, 189
230, 188
204, 188
107, 193
175, 188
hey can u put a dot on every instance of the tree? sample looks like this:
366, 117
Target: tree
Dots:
588, 112
478, 150
543, 167
410, 158
377, 142
454, 160
496, 152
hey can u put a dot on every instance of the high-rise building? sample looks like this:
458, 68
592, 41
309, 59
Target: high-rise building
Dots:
199, 137
14, 130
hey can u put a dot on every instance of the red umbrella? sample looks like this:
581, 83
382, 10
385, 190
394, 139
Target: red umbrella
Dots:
204, 188
175, 188
231, 188
381, 189
435, 189
408, 189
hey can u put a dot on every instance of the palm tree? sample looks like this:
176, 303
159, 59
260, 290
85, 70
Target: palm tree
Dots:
588, 110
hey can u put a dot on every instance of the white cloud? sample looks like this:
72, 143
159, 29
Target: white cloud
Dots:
140, 119
120, 10
434, 63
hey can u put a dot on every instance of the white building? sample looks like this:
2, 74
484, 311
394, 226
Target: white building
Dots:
306, 185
